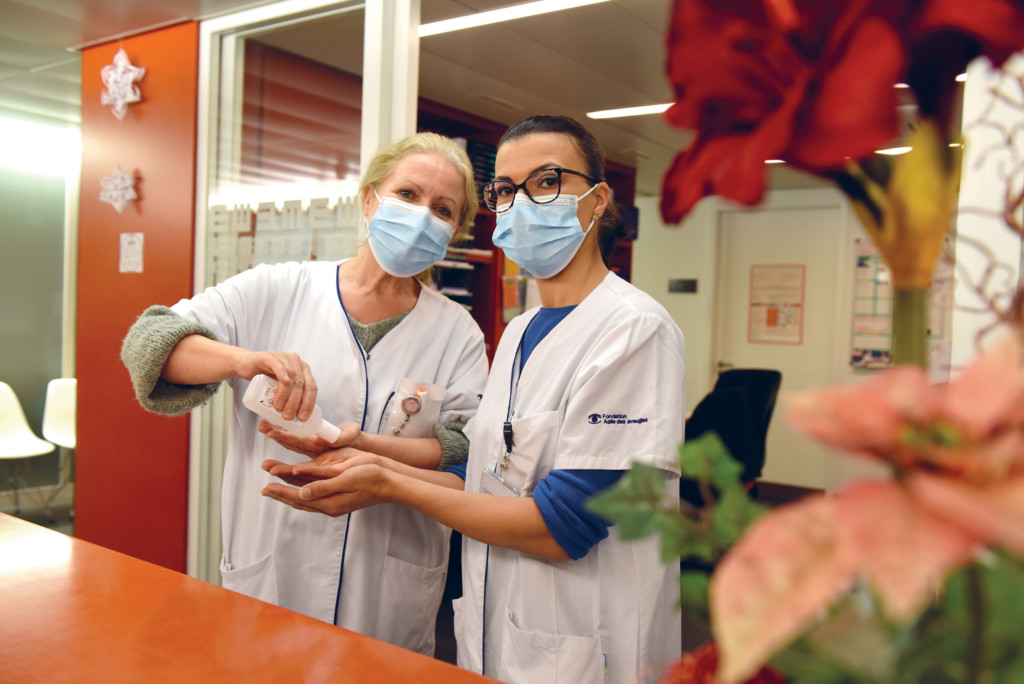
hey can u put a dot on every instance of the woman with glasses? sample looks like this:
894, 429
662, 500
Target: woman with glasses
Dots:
579, 389
348, 337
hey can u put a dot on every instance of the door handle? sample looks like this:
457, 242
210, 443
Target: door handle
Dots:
724, 365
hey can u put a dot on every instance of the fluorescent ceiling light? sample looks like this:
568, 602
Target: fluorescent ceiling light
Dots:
629, 111
774, 161
528, 9
894, 150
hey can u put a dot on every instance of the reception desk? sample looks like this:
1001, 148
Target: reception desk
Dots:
71, 611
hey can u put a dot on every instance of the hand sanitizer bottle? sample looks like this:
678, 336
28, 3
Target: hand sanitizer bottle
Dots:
259, 398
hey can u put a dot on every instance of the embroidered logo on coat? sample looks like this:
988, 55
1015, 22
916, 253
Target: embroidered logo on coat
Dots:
614, 419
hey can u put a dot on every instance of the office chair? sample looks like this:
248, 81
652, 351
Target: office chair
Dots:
724, 412
761, 387
739, 409
17, 441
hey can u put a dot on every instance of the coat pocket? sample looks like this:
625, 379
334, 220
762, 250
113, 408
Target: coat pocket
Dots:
258, 580
409, 599
556, 658
533, 452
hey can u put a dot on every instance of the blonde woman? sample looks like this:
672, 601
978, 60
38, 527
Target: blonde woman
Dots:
345, 336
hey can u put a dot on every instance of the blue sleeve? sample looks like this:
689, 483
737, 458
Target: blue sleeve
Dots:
459, 470
560, 497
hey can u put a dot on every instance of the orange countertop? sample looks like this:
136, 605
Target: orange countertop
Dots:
71, 611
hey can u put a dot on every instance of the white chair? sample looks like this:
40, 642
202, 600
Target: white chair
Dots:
59, 426
59, 412
17, 441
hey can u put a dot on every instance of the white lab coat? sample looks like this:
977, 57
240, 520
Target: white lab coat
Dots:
390, 561
603, 389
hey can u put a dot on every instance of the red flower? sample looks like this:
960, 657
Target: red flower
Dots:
754, 92
701, 666
810, 82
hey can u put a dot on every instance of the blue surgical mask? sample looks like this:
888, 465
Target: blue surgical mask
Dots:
407, 238
541, 238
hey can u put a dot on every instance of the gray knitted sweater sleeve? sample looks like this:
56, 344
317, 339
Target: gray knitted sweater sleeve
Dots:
454, 444
144, 352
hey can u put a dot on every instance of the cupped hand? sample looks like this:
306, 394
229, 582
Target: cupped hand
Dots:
296, 394
323, 466
358, 487
313, 445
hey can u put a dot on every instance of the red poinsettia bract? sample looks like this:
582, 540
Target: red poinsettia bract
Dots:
810, 82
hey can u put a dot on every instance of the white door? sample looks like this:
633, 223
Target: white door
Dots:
786, 255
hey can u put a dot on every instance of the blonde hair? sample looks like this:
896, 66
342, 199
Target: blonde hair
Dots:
384, 162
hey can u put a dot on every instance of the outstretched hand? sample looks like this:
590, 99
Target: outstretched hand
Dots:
322, 466
313, 445
358, 484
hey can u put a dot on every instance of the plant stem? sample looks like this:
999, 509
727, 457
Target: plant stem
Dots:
910, 327
976, 608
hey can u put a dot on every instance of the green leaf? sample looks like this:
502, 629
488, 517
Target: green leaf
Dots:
693, 590
706, 458
858, 641
682, 537
633, 503
804, 664
637, 504
731, 516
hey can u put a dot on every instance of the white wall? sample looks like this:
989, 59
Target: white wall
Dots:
983, 187
685, 251
690, 250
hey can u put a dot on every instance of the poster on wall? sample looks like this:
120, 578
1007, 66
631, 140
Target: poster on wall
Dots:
871, 343
776, 312
871, 346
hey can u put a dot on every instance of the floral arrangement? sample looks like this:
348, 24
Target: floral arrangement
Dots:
913, 578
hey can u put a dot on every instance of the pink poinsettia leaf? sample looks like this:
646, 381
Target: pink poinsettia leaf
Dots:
776, 581
988, 390
854, 110
994, 514
854, 419
908, 391
904, 550
996, 458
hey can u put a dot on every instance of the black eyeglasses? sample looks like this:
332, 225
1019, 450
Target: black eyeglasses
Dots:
545, 184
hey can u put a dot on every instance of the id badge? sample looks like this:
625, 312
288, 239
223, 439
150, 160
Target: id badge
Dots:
490, 483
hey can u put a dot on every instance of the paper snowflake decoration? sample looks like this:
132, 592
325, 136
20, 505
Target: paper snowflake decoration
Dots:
119, 79
118, 190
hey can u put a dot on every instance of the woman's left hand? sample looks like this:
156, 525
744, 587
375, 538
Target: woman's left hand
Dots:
327, 465
356, 487
310, 446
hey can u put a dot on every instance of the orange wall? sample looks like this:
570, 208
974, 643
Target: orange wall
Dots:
131, 479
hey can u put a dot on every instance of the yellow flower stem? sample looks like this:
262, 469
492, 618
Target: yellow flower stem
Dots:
910, 327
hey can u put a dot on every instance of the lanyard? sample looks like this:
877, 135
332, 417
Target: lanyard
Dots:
506, 426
